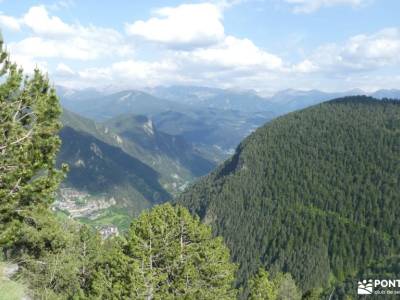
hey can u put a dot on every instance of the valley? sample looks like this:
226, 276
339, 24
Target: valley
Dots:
142, 152
168, 144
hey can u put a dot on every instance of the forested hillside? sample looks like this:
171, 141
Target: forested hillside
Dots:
314, 193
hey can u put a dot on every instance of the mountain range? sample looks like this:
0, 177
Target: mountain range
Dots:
217, 130
213, 119
151, 101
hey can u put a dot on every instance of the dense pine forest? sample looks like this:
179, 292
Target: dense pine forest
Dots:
314, 193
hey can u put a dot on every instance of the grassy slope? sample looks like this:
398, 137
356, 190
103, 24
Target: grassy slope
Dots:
10, 289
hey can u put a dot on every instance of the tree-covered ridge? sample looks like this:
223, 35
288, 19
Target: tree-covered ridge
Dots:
314, 193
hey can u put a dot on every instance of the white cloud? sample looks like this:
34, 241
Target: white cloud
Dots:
197, 52
187, 25
10, 22
129, 74
64, 70
360, 53
236, 53
39, 47
53, 38
306, 66
142, 69
378, 49
38, 19
80, 47
40, 22
309, 6
29, 63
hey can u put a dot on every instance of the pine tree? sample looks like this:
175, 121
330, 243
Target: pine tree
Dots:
287, 289
313, 294
279, 287
168, 254
262, 287
66, 267
29, 112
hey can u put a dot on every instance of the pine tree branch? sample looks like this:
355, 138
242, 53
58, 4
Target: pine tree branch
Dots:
25, 115
18, 140
15, 188
18, 110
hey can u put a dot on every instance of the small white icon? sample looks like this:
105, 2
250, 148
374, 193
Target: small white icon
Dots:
365, 288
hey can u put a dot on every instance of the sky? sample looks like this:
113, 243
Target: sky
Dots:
262, 45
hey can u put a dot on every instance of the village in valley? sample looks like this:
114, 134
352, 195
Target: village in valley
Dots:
78, 204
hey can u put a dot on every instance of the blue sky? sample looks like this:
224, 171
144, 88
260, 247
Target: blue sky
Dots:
265, 45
